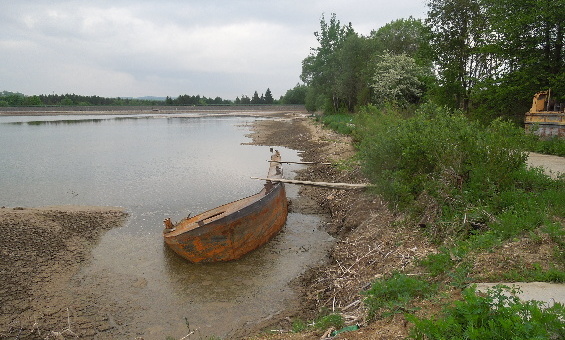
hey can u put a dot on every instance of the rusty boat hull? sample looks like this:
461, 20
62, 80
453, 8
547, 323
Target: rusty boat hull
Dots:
232, 230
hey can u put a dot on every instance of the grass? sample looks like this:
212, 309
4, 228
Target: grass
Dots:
395, 294
342, 123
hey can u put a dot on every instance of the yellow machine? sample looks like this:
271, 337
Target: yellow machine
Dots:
546, 118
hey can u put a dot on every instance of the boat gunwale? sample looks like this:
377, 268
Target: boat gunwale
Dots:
192, 223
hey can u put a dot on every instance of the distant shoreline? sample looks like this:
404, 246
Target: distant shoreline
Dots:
252, 110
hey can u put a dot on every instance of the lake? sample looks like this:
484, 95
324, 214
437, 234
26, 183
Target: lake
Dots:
158, 166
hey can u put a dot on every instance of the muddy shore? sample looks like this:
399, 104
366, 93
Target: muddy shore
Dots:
41, 249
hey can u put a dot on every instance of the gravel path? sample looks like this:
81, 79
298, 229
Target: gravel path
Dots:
553, 165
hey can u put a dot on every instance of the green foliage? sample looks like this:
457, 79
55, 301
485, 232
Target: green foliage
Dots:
440, 153
342, 123
449, 264
439, 263
493, 55
299, 325
394, 295
495, 315
339, 72
321, 69
459, 31
324, 322
402, 36
471, 180
330, 320
553, 146
296, 95
534, 273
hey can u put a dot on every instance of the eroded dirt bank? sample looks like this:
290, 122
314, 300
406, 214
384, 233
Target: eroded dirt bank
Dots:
40, 251
368, 244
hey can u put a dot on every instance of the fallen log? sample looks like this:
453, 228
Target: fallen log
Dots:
289, 162
319, 184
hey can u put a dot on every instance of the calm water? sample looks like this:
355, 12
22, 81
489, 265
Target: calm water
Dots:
159, 166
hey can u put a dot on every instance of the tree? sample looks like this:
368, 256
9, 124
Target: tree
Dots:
528, 37
269, 97
352, 85
397, 79
255, 99
321, 69
296, 95
459, 33
402, 36
245, 100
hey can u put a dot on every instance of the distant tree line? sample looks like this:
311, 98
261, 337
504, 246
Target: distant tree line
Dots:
196, 100
266, 98
18, 99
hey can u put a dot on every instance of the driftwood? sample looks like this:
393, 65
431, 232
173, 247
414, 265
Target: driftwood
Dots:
288, 162
319, 184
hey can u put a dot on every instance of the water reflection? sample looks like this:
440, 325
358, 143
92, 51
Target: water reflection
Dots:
159, 168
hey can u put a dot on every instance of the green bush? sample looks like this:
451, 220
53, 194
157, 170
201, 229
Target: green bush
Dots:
493, 316
437, 264
393, 295
466, 177
441, 153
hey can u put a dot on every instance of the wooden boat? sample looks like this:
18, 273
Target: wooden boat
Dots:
232, 230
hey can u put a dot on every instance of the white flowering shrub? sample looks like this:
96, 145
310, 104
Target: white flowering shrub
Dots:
397, 79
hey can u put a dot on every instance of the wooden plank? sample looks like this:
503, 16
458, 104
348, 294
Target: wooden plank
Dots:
319, 184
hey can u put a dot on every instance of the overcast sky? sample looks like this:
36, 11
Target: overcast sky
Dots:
134, 48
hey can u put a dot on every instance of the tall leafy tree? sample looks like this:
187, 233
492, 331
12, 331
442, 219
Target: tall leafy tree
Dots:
296, 95
321, 69
459, 32
352, 85
402, 36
